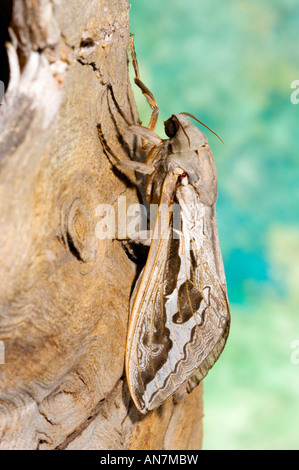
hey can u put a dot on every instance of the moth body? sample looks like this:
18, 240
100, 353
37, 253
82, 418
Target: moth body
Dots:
187, 149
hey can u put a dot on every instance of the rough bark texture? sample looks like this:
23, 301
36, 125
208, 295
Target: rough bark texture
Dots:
64, 294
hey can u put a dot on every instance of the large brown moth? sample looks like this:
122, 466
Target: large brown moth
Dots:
180, 318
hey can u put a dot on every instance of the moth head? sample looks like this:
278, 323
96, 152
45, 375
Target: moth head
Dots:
171, 126
194, 137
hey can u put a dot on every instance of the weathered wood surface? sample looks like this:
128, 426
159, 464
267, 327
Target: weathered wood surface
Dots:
64, 294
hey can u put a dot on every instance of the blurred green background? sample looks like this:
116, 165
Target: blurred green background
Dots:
231, 64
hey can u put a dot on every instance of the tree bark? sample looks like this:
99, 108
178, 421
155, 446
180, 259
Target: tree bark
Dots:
64, 294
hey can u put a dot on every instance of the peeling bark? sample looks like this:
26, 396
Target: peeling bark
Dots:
64, 294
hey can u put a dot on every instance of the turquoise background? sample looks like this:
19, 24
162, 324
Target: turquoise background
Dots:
231, 64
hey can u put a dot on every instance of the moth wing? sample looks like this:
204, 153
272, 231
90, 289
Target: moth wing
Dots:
205, 279
147, 339
180, 315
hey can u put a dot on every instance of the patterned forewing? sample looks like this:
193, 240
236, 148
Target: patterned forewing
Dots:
208, 281
183, 313
151, 343
148, 341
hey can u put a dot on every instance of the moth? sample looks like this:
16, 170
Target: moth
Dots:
180, 318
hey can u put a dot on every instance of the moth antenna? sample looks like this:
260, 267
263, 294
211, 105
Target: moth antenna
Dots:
182, 127
203, 124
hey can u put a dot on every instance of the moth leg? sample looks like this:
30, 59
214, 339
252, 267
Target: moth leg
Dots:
113, 159
154, 154
146, 168
111, 154
147, 93
149, 137
136, 166
149, 186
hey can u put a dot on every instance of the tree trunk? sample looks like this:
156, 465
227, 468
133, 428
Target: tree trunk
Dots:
64, 294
